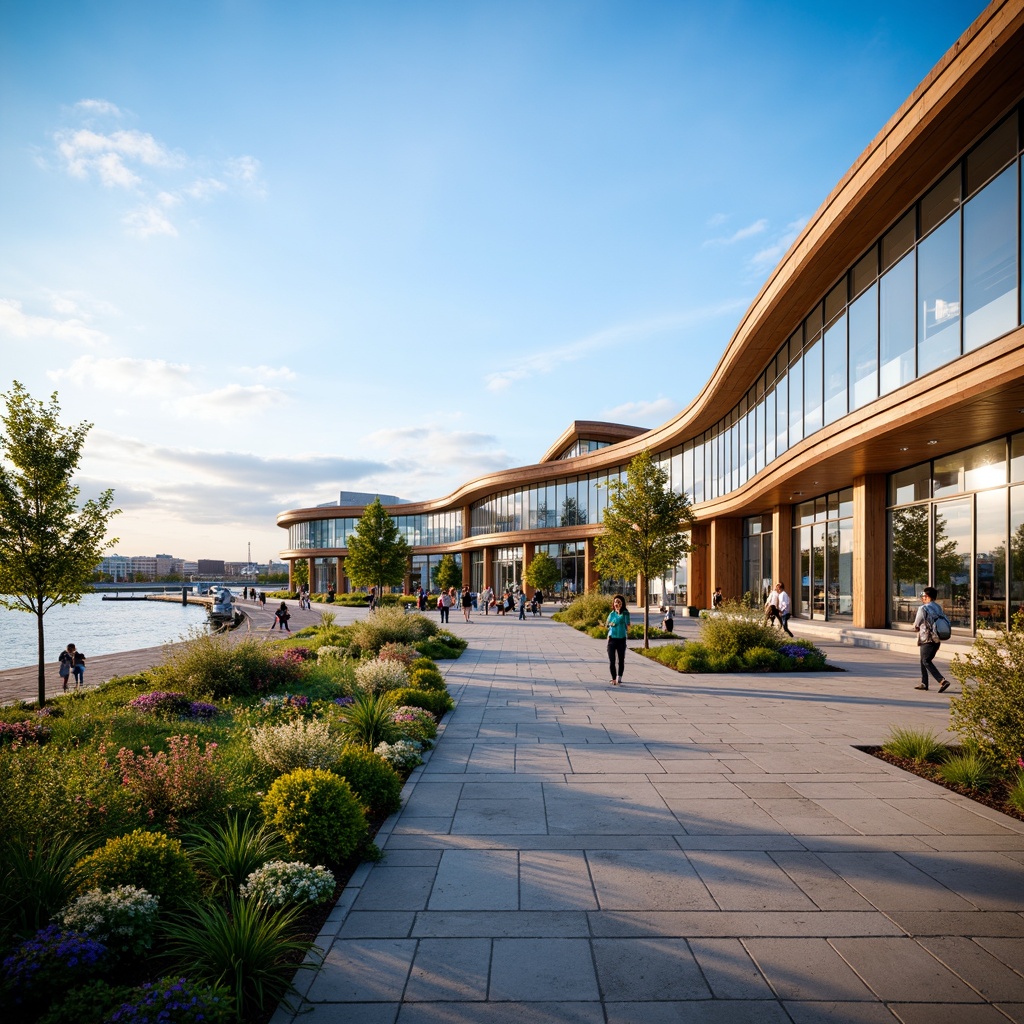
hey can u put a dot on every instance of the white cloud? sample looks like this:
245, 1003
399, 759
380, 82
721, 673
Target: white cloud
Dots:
770, 255
642, 413
757, 228
133, 161
262, 372
15, 323
125, 374
550, 359
233, 399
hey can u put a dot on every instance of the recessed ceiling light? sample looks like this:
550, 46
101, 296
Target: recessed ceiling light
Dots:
933, 442
904, 449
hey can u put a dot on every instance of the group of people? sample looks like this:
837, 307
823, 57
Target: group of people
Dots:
252, 594
71, 664
778, 608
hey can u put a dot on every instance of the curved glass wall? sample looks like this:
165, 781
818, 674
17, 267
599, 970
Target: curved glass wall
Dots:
419, 531
583, 446
957, 524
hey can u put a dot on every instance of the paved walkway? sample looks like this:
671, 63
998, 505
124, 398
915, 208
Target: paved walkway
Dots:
683, 848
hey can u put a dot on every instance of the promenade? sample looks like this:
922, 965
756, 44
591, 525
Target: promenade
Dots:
712, 849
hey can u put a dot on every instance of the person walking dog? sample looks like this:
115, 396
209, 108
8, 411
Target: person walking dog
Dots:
932, 627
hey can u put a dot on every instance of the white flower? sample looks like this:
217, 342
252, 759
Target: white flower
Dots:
297, 744
124, 918
378, 676
280, 882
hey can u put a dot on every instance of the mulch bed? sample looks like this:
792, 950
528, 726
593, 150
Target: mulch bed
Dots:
996, 797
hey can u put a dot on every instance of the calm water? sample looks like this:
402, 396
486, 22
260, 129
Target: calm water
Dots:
95, 627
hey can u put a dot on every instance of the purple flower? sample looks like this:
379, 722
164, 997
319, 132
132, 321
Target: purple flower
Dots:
200, 709
793, 651
49, 956
343, 701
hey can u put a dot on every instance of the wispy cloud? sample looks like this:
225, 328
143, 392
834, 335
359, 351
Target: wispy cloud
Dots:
771, 254
551, 359
751, 230
15, 323
642, 413
262, 372
157, 176
232, 400
125, 374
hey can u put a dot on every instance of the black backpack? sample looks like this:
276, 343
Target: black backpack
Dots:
941, 626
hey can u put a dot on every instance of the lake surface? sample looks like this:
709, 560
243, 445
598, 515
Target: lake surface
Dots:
96, 627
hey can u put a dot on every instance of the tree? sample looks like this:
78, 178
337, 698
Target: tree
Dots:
448, 573
377, 553
542, 573
50, 545
642, 526
300, 572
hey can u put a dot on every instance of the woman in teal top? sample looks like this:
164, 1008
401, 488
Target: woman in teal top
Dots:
618, 623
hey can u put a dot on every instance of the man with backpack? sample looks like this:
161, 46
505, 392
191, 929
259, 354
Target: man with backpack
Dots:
932, 628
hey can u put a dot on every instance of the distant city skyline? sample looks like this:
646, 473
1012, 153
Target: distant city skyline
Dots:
275, 252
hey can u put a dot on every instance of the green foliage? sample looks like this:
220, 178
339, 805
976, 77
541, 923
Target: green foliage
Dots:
229, 851
586, 611
49, 543
448, 573
1015, 793
37, 878
375, 783
300, 572
427, 679
150, 860
367, 721
390, 625
762, 659
377, 552
301, 743
914, 744
422, 662
208, 665
244, 946
737, 630
444, 646
317, 814
91, 1003
990, 710
542, 573
437, 702
642, 525
971, 769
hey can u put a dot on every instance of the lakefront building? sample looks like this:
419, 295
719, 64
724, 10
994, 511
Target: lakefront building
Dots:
862, 435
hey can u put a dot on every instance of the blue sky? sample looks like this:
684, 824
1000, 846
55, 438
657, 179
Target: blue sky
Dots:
273, 250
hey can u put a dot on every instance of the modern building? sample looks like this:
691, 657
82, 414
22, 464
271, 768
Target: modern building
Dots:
862, 435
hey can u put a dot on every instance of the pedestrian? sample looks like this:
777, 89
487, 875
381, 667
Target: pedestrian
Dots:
263, 599
928, 640
444, 605
618, 626
668, 622
64, 669
330, 593
717, 598
487, 596
522, 605
538, 598
785, 607
77, 666
771, 607
281, 616
373, 598
467, 603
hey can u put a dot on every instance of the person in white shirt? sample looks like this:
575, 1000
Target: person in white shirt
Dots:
785, 607
771, 607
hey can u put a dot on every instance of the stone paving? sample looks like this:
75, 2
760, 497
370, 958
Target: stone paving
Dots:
711, 849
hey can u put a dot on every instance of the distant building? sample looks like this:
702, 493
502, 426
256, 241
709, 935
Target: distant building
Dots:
352, 498
211, 567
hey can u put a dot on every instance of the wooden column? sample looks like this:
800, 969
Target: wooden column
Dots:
529, 550
310, 564
467, 568
698, 568
869, 548
782, 546
407, 582
726, 544
342, 581
291, 575
590, 577
488, 569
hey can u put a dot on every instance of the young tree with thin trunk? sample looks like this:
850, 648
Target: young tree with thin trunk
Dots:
378, 555
448, 573
542, 573
50, 545
646, 527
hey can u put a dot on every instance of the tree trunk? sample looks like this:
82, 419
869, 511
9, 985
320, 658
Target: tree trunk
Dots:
647, 610
42, 656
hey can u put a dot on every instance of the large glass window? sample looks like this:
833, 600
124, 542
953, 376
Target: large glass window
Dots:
835, 370
896, 326
796, 401
938, 295
990, 559
812, 388
990, 261
1016, 550
952, 544
908, 568
864, 348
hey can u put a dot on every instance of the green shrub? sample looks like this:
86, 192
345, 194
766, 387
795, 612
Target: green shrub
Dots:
375, 783
762, 659
597, 632
301, 743
444, 646
229, 851
379, 675
422, 662
726, 662
123, 919
693, 658
971, 769
246, 946
415, 724
149, 860
367, 720
391, 625
735, 632
437, 702
426, 679
91, 1003
1015, 794
915, 745
214, 665
990, 710
586, 610
37, 878
317, 814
